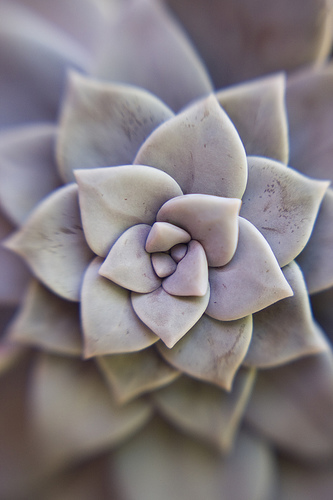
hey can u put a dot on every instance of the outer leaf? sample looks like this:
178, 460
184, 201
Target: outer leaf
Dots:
204, 410
160, 463
104, 124
133, 374
13, 271
47, 322
34, 57
316, 258
211, 220
286, 330
293, 405
128, 264
27, 167
74, 413
22, 461
168, 316
310, 115
304, 482
251, 281
162, 61
53, 244
323, 312
212, 350
201, 149
241, 39
108, 320
116, 198
257, 109
283, 205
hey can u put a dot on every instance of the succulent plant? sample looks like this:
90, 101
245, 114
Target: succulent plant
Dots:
173, 241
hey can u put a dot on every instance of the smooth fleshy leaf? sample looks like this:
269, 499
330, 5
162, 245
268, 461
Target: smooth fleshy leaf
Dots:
191, 276
310, 116
109, 323
251, 281
162, 61
128, 264
178, 252
286, 330
116, 198
162, 463
164, 236
53, 244
163, 264
257, 109
74, 413
47, 322
104, 124
13, 271
27, 167
168, 316
204, 410
212, 350
283, 204
241, 39
201, 149
133, 374
292, 406
34, 58
211, 220
316, 258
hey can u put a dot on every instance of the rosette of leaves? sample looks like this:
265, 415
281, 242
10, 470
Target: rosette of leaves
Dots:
171, 250
60, 412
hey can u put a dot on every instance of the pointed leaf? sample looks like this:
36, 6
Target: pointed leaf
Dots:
53, 244
161, 463
212, 350
164, 236
116, 198
108, 320
128, 264
286, 330
251, 281
169, 317
204, 410
74, 413
316, 258
191, 276
283, 205
201, 149
133, 374
47, 322
292, 406
257, 109
104, 124
310, 115
211, 220
27, 167
162, 61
